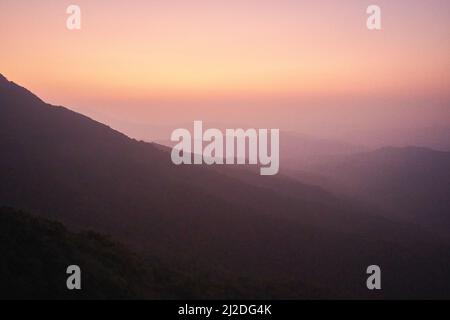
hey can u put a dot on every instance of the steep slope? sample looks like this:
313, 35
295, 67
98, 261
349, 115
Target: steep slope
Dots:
70, 168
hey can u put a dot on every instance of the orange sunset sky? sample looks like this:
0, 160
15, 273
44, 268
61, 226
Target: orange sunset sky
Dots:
310, 66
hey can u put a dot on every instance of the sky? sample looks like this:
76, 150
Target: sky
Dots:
306, 66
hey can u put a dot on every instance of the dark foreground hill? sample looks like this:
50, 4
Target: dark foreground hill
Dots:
36, 252
274, 237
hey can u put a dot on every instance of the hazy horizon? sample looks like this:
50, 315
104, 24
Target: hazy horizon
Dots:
311, 68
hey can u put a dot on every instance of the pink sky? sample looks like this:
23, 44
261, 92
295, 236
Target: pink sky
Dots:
306, 65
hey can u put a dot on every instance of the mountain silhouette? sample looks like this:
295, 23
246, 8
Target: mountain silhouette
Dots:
214, 223
36, 253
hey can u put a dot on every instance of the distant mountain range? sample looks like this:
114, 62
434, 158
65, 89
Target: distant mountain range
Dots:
410, 183
263, 237
436, 137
